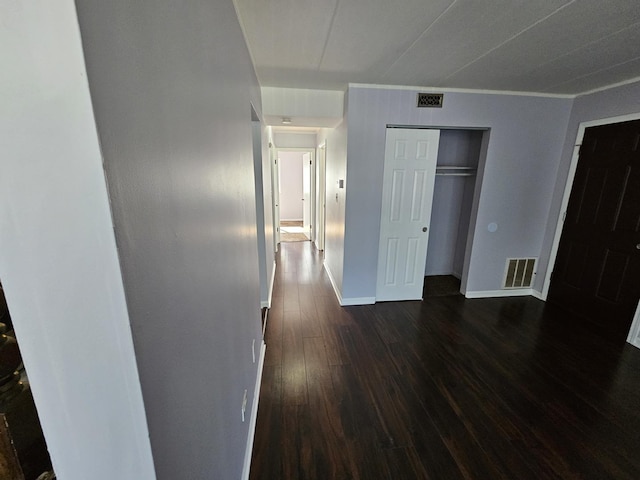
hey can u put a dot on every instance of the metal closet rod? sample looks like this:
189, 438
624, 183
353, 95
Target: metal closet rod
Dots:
455, 171
440, 174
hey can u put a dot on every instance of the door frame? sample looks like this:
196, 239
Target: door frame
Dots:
275, 195
320, 202
312, 152
567, 193
477, 189
383, 294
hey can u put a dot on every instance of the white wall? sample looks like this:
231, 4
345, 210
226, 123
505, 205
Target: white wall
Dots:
171, 86
452, 201
291, 204
264, 210
316, 108
295, 140
618, 101
526, 138
58, 258
336, 169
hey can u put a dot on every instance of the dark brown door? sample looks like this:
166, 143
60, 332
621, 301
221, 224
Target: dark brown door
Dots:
597, 270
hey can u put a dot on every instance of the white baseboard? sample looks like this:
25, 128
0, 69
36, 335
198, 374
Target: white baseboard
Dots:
344, 302
516, 292
254, 416
333, 282
634, 333
538, 295
267, 303
271, 282
358, 301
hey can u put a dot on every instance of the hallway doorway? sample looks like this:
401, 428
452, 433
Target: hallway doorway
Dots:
295, 171
597, 266
292, 231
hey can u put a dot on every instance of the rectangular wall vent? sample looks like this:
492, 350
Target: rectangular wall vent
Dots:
430, 100
519, 272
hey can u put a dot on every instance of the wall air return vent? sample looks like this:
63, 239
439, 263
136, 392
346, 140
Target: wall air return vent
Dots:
430, 100
519, 272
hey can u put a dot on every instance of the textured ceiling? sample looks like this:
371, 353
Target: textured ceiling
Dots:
551, 46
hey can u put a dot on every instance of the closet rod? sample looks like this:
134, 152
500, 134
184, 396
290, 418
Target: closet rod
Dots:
454, 167
442, 174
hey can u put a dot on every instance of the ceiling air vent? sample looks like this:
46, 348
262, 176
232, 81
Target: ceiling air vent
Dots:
430, 100
519, 272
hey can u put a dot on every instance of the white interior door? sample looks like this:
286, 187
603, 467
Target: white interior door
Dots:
307, 199
407, 196
275, 192
320, 197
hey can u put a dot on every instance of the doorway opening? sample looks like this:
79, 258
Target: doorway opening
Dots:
296, 194
459, 154
594, 267
431, 188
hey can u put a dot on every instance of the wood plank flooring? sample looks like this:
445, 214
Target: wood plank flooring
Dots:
446, 388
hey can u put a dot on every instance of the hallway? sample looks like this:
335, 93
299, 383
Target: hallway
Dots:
446, 388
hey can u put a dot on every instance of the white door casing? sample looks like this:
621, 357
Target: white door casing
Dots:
275, 190
407, 197
320, 196
307, 199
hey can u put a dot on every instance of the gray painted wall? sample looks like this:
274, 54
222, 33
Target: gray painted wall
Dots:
527, 134
623, 100
171, 86
58, 259
290, 168
267, 202
294, 140
336, 168
452, 202
264, 215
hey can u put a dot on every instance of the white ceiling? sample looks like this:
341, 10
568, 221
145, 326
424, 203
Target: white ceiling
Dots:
550, 46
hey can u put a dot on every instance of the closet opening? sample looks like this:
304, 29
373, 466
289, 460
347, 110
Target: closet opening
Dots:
456, 184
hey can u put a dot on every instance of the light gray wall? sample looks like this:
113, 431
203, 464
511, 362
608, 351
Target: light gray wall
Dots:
264, 216
267, 201
336, 169
294, 140
58, 259
618, 101
290, 168
171, 86
527, 134
452, 200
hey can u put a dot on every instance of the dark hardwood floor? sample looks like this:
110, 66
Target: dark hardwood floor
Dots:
446, 388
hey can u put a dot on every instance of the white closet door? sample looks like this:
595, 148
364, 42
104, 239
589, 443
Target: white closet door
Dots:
407, 196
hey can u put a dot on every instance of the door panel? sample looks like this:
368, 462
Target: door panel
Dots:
407, 196
307, 199
275, 191
597, 270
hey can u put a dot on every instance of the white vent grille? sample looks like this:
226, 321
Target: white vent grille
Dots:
430, 100
519, 272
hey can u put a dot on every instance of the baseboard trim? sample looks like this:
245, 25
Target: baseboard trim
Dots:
634, 332
358, 301
333, 282
538, 295
516, 292
271, 282
254, 415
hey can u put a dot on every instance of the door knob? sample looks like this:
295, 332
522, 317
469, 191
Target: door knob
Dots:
424, 229
638, 246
